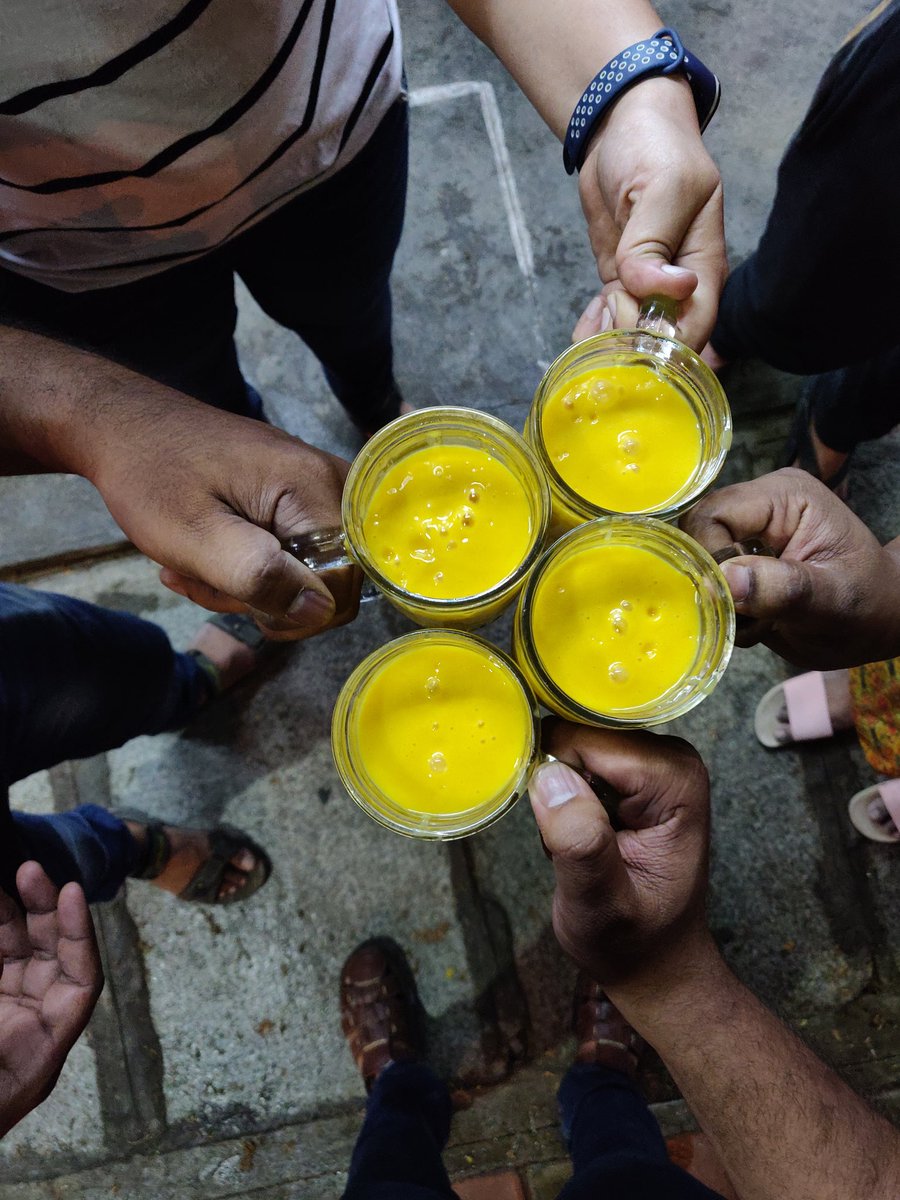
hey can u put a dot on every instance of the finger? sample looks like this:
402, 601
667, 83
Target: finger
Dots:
769, 589
248, 564
657, 777
14, 942
40, 897
79, 956
576, 831
595, 319
200, 593
770, 507
667, 248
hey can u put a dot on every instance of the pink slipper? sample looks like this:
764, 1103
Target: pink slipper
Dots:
806, 701
888, 792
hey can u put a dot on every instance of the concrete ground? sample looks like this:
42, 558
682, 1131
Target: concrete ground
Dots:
214, 1065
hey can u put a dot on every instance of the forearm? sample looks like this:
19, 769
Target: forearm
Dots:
782, 1122
553, 51
56, 401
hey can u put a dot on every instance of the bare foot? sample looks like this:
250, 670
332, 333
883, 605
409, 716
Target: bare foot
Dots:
190, 850
880, 815
231, 657
840, 709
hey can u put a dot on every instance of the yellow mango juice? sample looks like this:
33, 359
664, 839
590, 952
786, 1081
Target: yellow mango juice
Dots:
622, 437
624, 622
434, 735
448, 521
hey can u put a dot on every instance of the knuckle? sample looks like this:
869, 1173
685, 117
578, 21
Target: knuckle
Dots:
260, 574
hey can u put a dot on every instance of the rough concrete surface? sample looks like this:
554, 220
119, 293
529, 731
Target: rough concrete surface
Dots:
214, 1066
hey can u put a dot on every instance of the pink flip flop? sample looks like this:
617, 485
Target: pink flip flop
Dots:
806, 701
889, 793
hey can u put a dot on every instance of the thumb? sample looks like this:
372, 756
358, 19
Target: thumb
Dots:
769, 589
650, 240
579, 837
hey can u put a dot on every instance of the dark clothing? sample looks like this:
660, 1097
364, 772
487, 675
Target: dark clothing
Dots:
617, 1150
76, 680
320, 266
833, 238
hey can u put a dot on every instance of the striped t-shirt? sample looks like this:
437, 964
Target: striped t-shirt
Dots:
135, 137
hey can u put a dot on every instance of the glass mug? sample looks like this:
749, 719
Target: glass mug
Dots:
656, 420
435, 735
625, 622
445, 510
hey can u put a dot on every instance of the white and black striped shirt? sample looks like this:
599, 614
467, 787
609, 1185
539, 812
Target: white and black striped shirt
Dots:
134, 137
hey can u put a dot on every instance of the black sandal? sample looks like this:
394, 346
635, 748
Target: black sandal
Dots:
800, 448
203, 888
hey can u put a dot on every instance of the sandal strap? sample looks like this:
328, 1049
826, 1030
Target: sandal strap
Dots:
806, 701
209, 668
241, 627
224, 843
156, 851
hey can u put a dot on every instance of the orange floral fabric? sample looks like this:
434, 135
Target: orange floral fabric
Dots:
875, 694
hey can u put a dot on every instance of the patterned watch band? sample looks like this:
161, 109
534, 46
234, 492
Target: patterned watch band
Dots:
663, 54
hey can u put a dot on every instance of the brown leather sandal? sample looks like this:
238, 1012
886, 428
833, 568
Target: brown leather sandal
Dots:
381, 1013
603, 1035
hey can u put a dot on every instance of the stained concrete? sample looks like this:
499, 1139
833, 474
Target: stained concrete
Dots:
235, 1079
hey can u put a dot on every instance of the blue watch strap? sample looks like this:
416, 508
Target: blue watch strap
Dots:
663, 54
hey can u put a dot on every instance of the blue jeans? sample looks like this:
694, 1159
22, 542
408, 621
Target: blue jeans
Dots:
76, 680
319, 266
617, 1149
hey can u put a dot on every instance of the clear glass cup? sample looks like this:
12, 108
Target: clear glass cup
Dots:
652, 344
674, 550
334, 549
398, 742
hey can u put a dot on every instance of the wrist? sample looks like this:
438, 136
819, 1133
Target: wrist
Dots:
693, 974
662, 99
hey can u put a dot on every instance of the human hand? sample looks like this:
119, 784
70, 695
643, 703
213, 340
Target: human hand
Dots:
830, 599
209, 495
50, 981
629, 906
652, 197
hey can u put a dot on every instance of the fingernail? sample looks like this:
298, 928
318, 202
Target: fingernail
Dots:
605, 321
553, 785
594, 309
739, 580
670, 269
310, 608
612, 304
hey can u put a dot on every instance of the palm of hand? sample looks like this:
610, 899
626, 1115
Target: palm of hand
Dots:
50, 981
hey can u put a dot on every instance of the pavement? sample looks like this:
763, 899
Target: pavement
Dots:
214, 1065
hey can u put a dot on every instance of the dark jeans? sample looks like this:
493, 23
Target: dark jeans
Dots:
76, 680
617, 1150
319, 266
819, 295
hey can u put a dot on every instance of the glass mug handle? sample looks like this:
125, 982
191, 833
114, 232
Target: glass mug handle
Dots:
325, 552
659, 314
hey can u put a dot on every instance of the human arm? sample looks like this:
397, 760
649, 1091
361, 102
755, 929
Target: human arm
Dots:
204, 493
50, 981
832, 597
629, 907
651, 194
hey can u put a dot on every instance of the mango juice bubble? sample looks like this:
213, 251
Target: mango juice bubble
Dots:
628, 422
622, 437
616, 627
446, 511
624, 622
434, 735
448, 521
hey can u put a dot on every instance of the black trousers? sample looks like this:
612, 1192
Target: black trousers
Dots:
319, 266
819, 294
618, 1152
